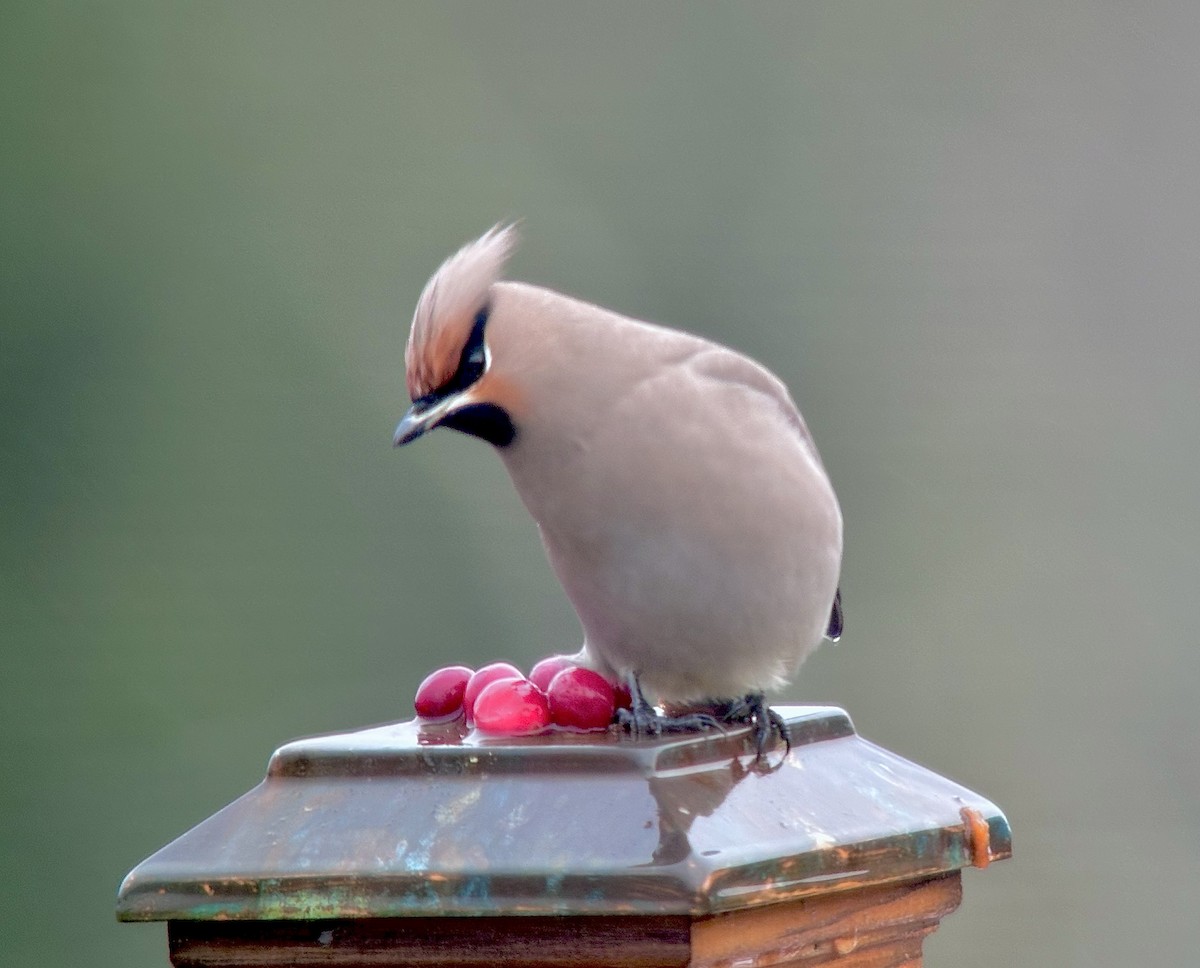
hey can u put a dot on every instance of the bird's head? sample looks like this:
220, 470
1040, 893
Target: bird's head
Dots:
449, 358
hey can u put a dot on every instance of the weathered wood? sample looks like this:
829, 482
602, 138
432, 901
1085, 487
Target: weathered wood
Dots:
875, 927
545, 942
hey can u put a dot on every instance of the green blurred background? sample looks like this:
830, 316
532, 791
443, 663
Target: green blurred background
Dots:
966, 234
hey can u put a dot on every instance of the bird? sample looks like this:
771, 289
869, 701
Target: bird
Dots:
679, 496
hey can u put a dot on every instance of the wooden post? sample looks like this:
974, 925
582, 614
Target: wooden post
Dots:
418, 844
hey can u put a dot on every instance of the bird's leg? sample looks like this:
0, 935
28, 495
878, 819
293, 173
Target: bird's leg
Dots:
639, 719
642, 719
752, 710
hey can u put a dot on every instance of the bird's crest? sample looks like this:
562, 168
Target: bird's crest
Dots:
446, 311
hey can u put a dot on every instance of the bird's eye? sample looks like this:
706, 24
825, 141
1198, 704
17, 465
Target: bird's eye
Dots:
473, 361
471, 369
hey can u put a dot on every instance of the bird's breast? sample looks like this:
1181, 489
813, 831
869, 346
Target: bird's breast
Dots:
704, 558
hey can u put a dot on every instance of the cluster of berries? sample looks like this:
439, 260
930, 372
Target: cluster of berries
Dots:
500, 700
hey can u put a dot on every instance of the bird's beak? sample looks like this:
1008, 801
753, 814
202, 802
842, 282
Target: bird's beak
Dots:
424, 415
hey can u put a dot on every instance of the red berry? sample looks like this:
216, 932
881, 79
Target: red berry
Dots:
441, 694
541, 674
512, 707
582, 699
624, 700
489, 673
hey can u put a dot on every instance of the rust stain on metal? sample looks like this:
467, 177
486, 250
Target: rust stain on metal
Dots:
979, 834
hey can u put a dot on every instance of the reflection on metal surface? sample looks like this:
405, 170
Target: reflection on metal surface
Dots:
419, 819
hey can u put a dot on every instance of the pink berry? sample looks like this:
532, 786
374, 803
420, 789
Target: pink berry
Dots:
541, 674
582, 699
489, 673
512, 707
441, 694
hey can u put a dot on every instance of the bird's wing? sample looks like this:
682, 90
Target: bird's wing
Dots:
728, 365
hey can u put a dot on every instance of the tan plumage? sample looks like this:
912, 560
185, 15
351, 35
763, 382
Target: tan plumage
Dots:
680, 498
447, 308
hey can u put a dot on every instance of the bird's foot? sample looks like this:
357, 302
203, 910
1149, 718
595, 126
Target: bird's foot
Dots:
752, 710
642, 719
653, 723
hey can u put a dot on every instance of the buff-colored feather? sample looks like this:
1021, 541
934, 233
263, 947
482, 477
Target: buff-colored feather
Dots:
448, 306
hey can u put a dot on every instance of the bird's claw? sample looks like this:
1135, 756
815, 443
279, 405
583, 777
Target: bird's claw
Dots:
764, 722
650, 722
642, 719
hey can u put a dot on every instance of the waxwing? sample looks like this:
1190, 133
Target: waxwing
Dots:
680, 498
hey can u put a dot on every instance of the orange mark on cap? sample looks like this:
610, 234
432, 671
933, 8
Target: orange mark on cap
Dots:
979, 835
